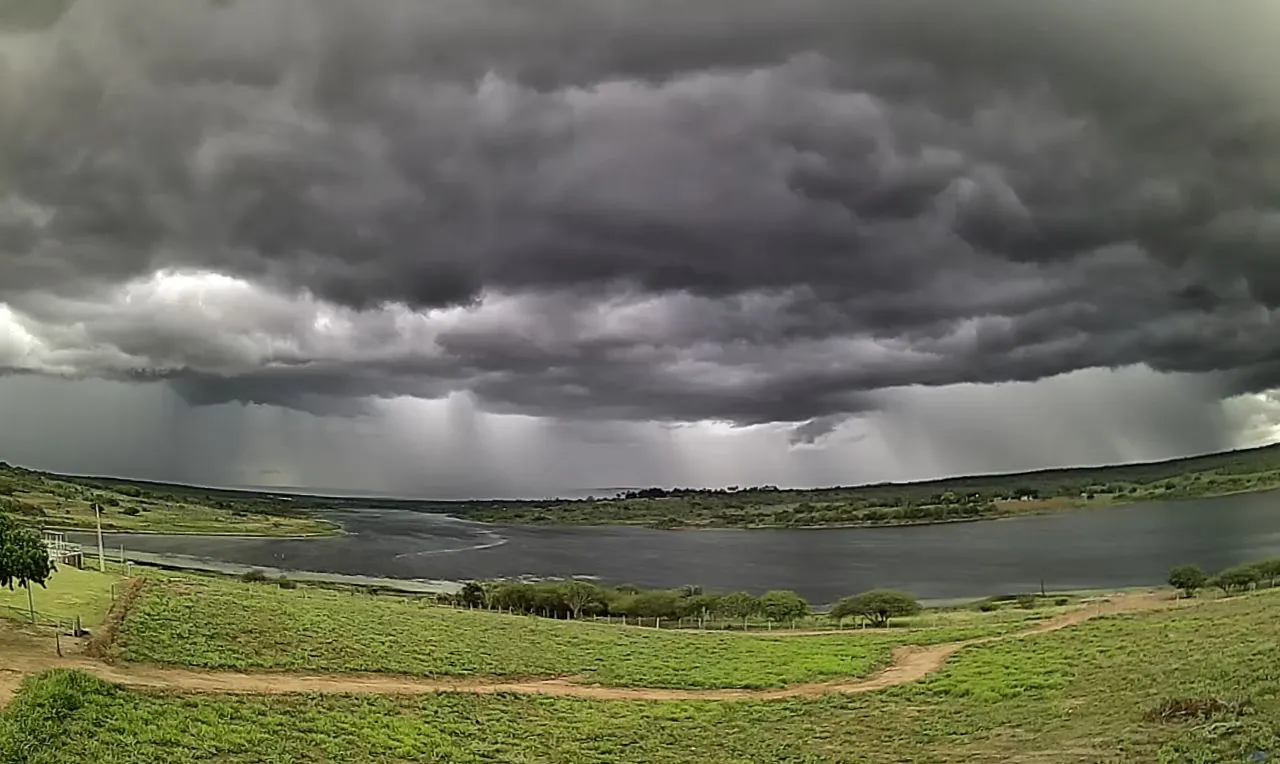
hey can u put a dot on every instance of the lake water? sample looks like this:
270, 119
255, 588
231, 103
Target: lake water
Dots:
1101, 548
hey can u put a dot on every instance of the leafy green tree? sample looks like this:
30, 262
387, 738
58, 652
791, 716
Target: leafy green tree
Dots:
471, 595
1269, 570
580, 595
1188, 578
1237, 578
24, 560
782, 606
877, 606
698, 606
737, 605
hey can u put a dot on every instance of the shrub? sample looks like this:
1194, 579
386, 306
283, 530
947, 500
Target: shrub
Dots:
131, 511
254, 576
284, 583
1237, 578
988, 606
1188, 578
1026, 601
1184, 709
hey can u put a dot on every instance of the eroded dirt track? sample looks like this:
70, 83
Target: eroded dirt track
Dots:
20, 656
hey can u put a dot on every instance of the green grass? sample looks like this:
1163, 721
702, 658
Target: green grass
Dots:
55, 501
68, 593
218, 623
1078, 695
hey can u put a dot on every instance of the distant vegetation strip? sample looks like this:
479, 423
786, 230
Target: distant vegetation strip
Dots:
949, 500
66, 502
225, 624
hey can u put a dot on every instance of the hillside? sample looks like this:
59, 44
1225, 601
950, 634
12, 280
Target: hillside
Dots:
944, 500
66, 500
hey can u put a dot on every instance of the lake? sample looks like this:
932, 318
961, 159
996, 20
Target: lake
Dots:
1087, 549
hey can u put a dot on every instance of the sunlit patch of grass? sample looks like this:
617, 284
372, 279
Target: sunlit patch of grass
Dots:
68, 593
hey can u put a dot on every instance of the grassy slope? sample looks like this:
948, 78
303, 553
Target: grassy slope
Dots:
1078, 695
226, 624
56, 501
68, 593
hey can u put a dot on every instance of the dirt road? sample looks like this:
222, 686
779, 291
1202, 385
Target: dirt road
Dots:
22, 656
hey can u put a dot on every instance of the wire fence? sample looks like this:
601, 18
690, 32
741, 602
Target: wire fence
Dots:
26, 616
69, 624
812, 622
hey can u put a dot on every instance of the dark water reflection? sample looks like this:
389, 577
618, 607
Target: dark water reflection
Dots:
1128, 546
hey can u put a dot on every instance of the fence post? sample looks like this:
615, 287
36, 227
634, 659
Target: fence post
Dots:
657, 622
31, 604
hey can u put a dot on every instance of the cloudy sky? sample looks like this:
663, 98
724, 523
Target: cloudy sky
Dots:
499, 247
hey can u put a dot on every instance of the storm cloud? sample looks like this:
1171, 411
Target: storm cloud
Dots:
751, 211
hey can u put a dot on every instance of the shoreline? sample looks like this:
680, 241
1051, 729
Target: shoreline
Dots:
386, 584
1075, 505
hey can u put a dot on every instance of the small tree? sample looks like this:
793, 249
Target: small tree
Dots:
24, 560
1188, 578
1269, 570
472, 594
738, 605
877, 606
1238, 578
578, 595
782, 606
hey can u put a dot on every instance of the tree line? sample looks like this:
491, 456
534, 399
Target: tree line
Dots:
1239, 578
579, 599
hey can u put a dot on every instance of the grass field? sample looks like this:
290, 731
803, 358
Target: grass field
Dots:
55, 501
67, 594
217, 623
1117, 689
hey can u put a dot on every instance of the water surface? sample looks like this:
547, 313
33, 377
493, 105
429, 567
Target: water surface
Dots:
1099, 548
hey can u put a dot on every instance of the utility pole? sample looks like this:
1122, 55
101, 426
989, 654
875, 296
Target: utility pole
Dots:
102, 555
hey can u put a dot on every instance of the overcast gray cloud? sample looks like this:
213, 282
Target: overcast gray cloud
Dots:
753, 211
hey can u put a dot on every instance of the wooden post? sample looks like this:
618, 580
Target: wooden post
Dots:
31, 604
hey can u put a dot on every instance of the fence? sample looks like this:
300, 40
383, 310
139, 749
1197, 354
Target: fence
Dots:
813, 622
67, 624
24, 615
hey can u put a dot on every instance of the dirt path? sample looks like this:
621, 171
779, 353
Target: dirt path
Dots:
910, 664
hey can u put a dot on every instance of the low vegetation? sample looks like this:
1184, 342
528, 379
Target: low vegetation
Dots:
689, 606
1192, 684
45, 500
1239, 578
217, 623
949, 500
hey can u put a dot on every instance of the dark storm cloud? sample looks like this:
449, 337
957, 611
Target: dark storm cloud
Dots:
775, 208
